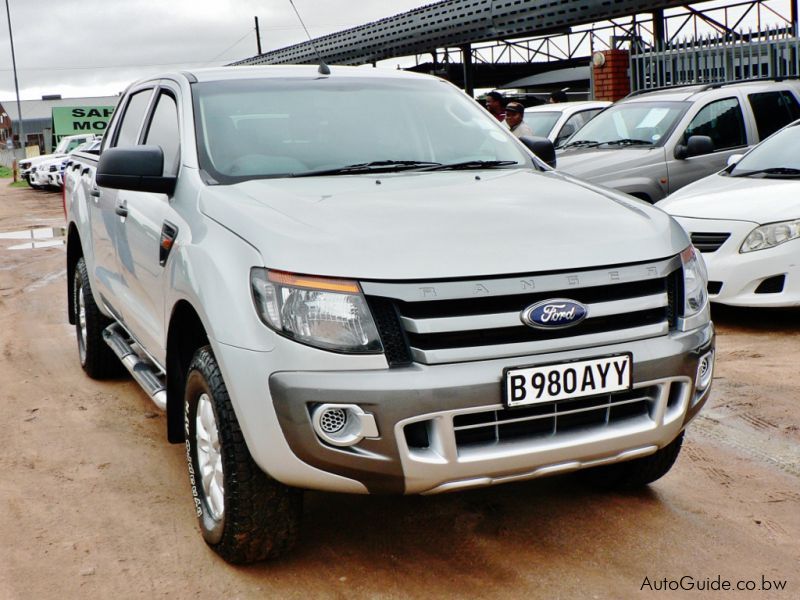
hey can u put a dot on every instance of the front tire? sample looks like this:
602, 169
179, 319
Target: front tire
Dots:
638, 472
97, 359
244, 515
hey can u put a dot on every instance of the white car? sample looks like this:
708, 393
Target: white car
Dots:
47, 173
559, 121
67, 143
745, 220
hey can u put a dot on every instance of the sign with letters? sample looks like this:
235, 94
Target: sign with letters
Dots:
71, 120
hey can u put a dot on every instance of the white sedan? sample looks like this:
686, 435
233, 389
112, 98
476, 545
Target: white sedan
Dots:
559, 121
745, 220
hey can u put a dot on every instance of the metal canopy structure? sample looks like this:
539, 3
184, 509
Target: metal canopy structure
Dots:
454, 23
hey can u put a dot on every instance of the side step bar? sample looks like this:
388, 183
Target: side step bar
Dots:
141, 370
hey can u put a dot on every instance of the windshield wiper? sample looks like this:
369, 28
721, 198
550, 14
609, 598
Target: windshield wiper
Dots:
471, 164
785, 171
586, 143
375, 165
628, 142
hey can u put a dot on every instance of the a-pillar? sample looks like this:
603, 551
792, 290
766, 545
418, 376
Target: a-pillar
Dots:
466, 60
611, 78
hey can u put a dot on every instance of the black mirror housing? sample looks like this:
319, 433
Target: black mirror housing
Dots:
542, 148
696, 145
134, 168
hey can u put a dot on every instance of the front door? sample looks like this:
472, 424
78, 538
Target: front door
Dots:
139, 246
722, 121
106, 223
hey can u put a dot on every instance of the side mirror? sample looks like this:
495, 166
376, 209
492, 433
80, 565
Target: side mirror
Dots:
135, 168
696, 145
733, 159
542, 148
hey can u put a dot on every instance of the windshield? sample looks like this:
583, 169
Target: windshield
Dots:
779, 153
541, 122
646, 123
64, 146
275, 127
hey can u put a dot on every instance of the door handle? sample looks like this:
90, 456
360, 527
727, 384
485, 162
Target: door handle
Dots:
94, 192
122, 209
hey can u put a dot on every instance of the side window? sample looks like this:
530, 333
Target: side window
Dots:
773, 110
163, 131
128, 130
574, 123
721, 121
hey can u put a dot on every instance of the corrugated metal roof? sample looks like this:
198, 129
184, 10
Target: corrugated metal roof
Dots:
43, 109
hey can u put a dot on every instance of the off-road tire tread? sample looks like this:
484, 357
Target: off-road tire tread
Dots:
101, 362
262, 516
636, 473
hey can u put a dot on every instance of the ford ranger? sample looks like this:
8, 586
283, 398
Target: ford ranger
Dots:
358, 281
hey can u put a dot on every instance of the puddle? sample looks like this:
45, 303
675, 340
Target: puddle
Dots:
36, 237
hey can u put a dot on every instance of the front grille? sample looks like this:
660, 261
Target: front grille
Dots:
714, 287
553, 418
709, 242
516, 335
449, 324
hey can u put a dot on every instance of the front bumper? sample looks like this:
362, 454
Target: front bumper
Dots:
739, 277
436, 398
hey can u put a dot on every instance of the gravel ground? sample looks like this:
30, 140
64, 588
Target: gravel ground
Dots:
95, 503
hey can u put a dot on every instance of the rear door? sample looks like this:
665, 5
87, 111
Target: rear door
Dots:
772, 110
723, 121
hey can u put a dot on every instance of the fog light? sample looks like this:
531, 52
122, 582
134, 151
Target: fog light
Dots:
343, 424
705, 371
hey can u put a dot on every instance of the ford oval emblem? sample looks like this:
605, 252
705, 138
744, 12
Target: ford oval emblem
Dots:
557, 313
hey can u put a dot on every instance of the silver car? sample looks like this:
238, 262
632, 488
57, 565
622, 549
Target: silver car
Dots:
652, 144
374, 296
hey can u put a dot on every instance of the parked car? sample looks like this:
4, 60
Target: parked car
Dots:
746, 222
56, 177
45, 173
65, 144
396, 308
652, 144
559, 121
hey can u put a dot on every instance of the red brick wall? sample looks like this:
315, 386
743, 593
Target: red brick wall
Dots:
611, 81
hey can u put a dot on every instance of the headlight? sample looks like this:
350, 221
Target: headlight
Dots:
331, 314
769, 236
695, 280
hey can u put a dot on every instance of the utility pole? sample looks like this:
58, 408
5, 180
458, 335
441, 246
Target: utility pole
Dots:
258, 36
16, 84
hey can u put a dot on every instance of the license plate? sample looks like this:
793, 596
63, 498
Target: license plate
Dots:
547, 383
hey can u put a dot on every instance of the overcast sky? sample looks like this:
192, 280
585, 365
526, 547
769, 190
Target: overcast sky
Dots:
96, 47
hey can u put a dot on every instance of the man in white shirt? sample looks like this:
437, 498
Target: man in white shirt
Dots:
515, 112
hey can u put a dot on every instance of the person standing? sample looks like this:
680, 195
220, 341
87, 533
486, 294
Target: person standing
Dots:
496, 104
515, 114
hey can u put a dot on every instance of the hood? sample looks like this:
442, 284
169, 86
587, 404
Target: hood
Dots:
591, 163
736, 199
37, 160
440, 224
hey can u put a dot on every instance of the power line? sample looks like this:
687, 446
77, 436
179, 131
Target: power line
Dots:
236, 43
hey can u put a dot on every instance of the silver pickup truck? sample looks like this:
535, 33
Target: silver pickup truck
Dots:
361, 282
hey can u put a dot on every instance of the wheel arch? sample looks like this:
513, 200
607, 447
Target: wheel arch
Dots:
74, 253
185, 335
